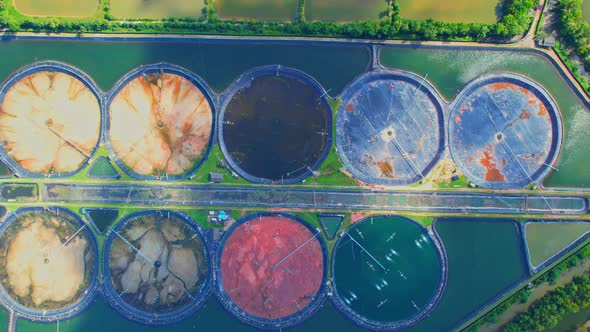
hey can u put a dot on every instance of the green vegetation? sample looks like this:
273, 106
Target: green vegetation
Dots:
550, 276
521, 296
271, 10
546, 239
344, 10
102, 168
156, 9
213, 165
425, 221
84, 8
482, 11
310, 217
330, 171
562, 52
586, 10
574, 30
515, 21
547, 312
462, 182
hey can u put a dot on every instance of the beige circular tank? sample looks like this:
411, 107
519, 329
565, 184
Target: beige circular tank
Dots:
46, 259
49, 122
160, 124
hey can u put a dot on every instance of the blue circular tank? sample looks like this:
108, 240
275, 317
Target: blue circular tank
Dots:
504, 131
390, 128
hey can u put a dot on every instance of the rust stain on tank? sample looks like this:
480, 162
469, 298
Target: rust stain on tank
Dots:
457, 119
501, 86
385, 166
463, 109
386, 169
349, 108
470, 159
525, 156
543, 112
525, 114
493, 174
421, 141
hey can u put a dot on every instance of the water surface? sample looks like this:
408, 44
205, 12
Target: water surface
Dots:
218, 63
485, 258
276, 128
386, 269
100, 317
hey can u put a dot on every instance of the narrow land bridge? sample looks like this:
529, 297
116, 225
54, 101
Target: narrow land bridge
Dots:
169, 195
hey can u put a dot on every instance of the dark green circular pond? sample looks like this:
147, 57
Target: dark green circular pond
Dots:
387, 271
276, 126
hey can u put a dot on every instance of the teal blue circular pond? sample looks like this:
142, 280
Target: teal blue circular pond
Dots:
387, 272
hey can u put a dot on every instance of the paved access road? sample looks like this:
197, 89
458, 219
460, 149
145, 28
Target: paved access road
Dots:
319, 199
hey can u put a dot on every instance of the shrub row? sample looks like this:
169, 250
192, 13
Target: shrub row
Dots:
515, 21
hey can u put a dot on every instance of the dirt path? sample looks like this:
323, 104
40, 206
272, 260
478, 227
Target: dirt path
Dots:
529, 39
